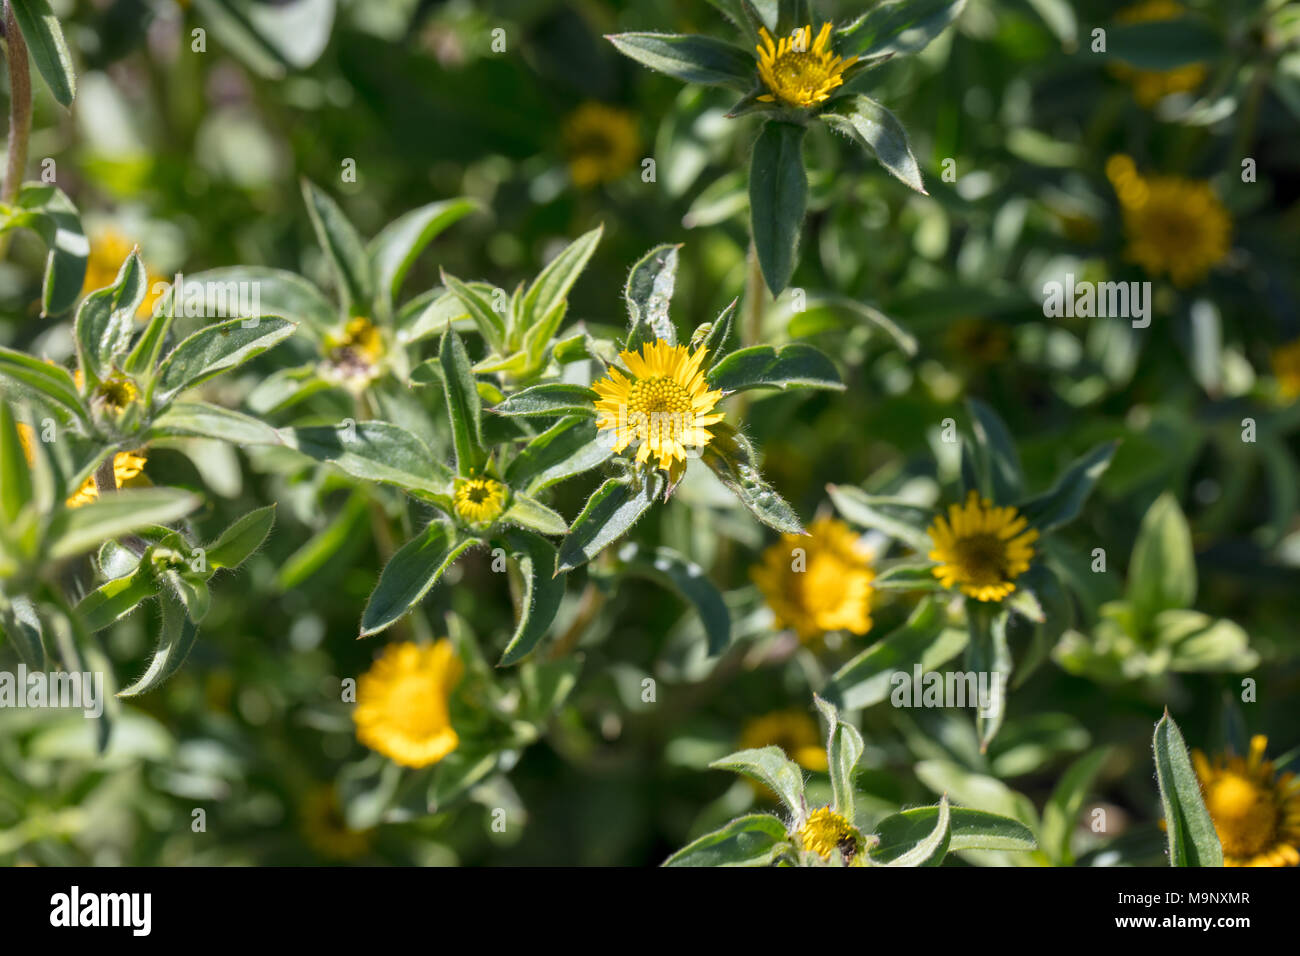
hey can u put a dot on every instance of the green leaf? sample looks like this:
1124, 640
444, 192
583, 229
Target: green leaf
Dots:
665, 566
543, 303
896, 517
648, 294
989, 652
178, 634
609, 513
1061, 813
927, 849
218, 348
549, 401
344, 249
999, 451
770, 766
778, 194
897, 26
844, 749
331, 547
413, 570
868, 678
203, 420
1192, 838
878, 131
464, 410
490, 325
1161, 45
968, 830
22, 625
756, 839
1162, 572
375, 451
1198, 642
244, 536
78, 530
49, 50
530, 513
275, 291
52, 382
689, 58
542, 594
762, 366
15, 475
51, 215
732, 458
119, 597
399, 244
567, 448
1062, 503
106, 319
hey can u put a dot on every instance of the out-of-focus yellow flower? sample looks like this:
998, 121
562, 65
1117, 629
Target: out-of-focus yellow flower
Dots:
1286, 369
601, 142
353, 353
819, 582
794, 731
981, 548
826, 831
797, 73
108, 250
1174, 226
128, 469
1151, 86
479, 501
1256, 811
403, 703
326, 830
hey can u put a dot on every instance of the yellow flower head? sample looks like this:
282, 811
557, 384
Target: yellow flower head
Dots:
325, 829
1174, 226
1151, 86
818, 582
355, 351
1255, 810
602, 143
128, 468
666, 405
825, 831
794, 731
114, 393
402, 706
108, 250
981, 548
799, 74
1286, 368
479, 501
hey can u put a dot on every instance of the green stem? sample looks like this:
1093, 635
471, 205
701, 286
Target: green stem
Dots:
20, 115
755, 292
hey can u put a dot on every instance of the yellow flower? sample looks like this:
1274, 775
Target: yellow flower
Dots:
794, 731
981, 548
354, 352
796, 74
1173, 225
108, 250
128, 468
1286, 368
666, 405
326, 830
1255, 810
818, 582
602, 143
825, 831
403, 703
479, 500
1151, 86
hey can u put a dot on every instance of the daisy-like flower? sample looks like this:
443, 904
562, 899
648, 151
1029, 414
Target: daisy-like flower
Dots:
353, 353
818, 582
114, 393
602, 143
826, 831
108, 250
1174, 226
981, 548
1286, 369
1151, 86
666, 406
326, 830
479, 501
403, 706
794, 731
1256, 811
798, 73
128, 469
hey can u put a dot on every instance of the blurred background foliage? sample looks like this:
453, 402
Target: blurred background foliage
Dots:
196, 158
